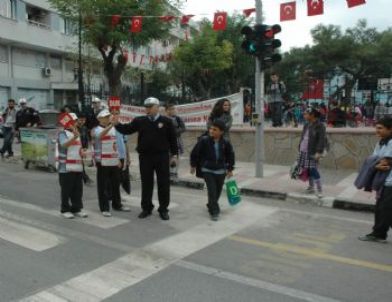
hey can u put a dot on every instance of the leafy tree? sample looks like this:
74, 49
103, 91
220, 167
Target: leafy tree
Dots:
197, 62
110, 41
359, 52
241, 72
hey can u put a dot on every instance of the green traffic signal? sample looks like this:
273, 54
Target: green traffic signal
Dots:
259, 41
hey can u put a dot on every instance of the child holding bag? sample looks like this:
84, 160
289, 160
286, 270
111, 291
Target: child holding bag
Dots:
215, 158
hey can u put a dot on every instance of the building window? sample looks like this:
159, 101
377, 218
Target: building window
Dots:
7, 8
3, 54
67, 27
55, 62
38, 17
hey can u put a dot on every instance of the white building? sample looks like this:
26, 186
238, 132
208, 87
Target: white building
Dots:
37, 56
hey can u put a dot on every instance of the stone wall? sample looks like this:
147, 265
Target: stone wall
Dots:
349, 146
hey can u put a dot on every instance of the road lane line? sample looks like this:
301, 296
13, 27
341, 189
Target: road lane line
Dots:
95, 219
140, 264
279, 289
27, 236
282, 247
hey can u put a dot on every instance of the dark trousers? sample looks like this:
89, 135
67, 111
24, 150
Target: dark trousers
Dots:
158, 163
214, 184
276, 114
108, 187
8, 138
383, 213
71, 185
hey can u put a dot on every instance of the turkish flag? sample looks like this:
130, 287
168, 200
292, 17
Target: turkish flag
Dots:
167, 18
315, 90
352, 3
136, 24
315, 7
66, 120
185, 19
114, 103
247, 12
220, 21
288, 11
115, 20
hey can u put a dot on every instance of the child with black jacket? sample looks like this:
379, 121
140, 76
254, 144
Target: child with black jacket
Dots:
214, 157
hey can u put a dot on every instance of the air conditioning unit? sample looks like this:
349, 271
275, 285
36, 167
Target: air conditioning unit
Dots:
46, 71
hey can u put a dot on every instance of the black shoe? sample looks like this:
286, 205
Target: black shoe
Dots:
164, 215
371, 237
144, 214
214, 217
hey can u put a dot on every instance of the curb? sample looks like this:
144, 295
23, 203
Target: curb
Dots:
328, 202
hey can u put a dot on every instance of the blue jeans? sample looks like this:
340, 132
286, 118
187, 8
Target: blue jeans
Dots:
8, 135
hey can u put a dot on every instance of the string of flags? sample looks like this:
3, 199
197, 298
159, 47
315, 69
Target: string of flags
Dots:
288, 12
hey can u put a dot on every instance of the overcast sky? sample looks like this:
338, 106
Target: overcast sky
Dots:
297, 33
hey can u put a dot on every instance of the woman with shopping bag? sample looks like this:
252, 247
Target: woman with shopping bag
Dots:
214, 157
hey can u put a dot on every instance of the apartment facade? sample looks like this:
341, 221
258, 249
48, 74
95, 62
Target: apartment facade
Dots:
37, 56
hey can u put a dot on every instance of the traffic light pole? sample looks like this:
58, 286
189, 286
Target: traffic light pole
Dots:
259, 100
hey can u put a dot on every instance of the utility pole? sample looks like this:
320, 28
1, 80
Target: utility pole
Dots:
259, 100
80, 64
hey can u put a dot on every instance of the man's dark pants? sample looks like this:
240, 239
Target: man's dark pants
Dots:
8, 136
158, 162
383, 214
214, 184
71, 184
276, 113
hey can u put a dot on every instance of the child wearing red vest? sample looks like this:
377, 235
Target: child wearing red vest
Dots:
70, 168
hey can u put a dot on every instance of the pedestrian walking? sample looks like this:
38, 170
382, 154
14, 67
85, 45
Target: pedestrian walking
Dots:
221, 111
9, 117
383, 210
214, 156
311, 148
157, 148
180, 128
107, 160
70, 168
275, 92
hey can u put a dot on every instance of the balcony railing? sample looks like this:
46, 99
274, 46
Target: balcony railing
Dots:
38, 24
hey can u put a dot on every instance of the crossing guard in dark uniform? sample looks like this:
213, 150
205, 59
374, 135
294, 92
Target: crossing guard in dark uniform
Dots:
157, 139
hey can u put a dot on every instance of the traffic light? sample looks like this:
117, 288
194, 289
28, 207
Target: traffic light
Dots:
270, 44
260, 41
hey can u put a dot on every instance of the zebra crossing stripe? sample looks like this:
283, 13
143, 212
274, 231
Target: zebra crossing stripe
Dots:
27, 236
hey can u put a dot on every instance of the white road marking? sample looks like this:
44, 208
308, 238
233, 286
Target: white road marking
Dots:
348, 183
279, 289
27, 236
95, 218
134, 267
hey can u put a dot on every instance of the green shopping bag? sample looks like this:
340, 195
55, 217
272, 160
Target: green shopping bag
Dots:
233, 193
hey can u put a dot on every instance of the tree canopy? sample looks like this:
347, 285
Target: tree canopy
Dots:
111, 41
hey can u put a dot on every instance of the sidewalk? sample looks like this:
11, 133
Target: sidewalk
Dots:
338, 189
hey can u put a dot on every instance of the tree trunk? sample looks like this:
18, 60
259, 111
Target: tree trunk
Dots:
113, 71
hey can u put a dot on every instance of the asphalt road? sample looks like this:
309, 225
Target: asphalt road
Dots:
260, 250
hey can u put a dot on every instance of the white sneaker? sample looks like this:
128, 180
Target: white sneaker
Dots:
309, 190
106, 214
81, 214
68, 215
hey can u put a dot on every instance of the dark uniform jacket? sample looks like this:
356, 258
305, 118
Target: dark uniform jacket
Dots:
157, 136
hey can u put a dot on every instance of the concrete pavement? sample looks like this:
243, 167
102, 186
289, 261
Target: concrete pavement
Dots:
338, 189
